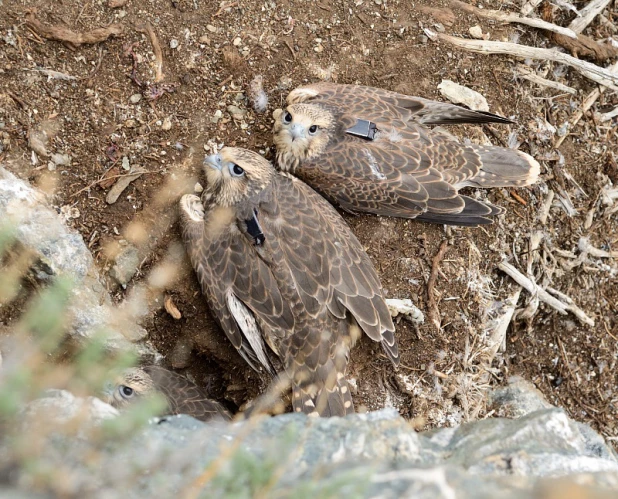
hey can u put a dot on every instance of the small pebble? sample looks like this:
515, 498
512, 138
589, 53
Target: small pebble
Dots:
217, 116
197, 188
173, 43
237, 41
135, 98
476, 32
211, 28
167, 124
125, 163
61, 159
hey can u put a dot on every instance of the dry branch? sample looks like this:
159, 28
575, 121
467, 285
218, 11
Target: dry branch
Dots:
588, 13
434, 312
581, 45
528, 74
590, 99
585, 246
511, 17
595, 73
74, 39
156, 48
584, 46
534, 289
529, 6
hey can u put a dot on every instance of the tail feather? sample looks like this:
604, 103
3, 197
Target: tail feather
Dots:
328, 394
474, 213
503, 168
429, 112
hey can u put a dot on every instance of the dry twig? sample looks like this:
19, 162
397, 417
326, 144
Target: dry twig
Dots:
591, 71
434, 312
529, 6
511, 17
156, 48
588, 13
71, 37
581, 45
534, 289
590, 99
528, 74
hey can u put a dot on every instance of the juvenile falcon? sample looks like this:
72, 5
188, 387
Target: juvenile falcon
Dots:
280, 267
369, 150
182, 396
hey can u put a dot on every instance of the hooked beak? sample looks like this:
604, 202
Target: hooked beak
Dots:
297, 131
108, 391
214, 161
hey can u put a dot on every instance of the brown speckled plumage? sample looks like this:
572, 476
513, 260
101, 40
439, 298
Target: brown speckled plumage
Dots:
408, 170
304, 292
182, 395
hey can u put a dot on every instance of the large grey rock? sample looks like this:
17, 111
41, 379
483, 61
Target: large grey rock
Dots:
61, 251
518, 398
363, 455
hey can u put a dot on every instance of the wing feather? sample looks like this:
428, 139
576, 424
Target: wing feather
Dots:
377, 104
329, 267
239, 287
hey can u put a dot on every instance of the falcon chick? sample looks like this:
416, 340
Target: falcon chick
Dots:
182, 396
369, 150
280, 267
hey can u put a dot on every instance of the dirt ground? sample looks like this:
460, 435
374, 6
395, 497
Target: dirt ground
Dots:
210, 54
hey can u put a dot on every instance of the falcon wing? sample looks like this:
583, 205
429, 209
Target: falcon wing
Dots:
239, 287
185, 397
327, 262
376, 104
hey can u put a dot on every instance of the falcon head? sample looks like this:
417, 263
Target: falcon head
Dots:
302, 131
130, 386
236, 176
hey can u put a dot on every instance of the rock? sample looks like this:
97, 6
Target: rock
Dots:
362, 455
125, 265
61, 406
40, 136
458, 94
518, 399
135, 98
181, 354
61, 251
217, 116
61, 159
167, 124
121, 184
476, 32
236, 112
174, 43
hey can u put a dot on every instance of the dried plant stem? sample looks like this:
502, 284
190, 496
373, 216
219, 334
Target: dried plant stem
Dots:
434, 312
534, 289
156, 48
590, 99
528, 7
528, 74
600, 75
588, 13
511, 17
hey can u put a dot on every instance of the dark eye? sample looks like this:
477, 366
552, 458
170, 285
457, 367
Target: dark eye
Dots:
236, 170
287, 117
126, 391
313, 129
